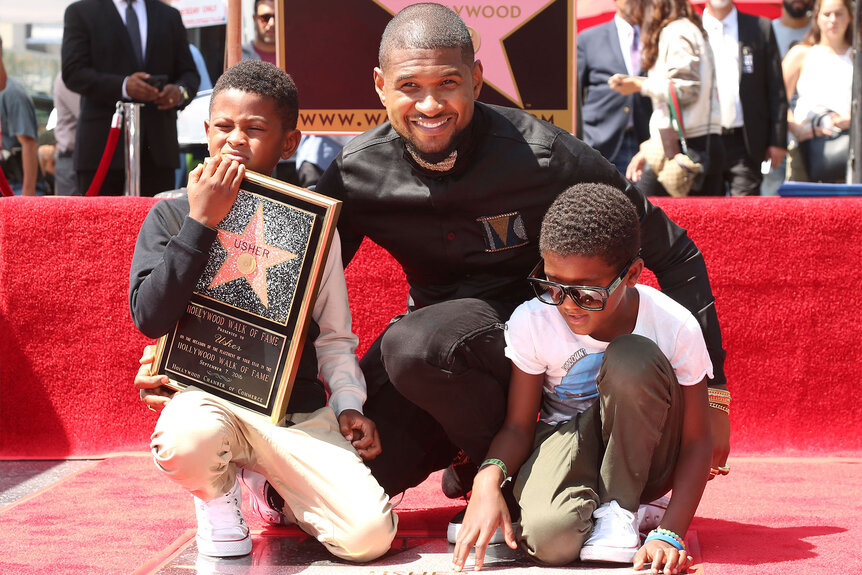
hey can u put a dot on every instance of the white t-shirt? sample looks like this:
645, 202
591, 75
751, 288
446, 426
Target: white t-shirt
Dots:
538, 340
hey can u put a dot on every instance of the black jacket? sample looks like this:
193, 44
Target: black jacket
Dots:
761, 87
97, 55
605, 112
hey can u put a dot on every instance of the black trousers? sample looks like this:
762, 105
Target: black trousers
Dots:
437, 382
741, 172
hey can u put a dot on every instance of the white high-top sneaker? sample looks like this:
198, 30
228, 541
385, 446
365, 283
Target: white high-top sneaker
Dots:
222, 531
615, 536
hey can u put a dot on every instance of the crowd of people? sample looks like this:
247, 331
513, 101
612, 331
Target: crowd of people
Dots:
745, 133
561, 396
734, 76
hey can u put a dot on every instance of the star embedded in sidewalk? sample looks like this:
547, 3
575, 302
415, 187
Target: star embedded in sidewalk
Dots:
249, 256
492, 22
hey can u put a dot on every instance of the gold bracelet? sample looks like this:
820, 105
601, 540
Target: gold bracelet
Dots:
720, 407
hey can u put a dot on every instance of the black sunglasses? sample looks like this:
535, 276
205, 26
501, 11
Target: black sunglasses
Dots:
265, 18
590, 298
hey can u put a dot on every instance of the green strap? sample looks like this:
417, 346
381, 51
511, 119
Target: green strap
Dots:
676, 115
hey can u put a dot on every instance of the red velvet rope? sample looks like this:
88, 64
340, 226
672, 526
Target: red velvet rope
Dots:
5, 188
105, 162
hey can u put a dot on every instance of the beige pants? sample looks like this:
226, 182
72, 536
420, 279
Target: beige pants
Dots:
328, 491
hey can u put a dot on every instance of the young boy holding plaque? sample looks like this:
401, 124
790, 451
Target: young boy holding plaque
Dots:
309, 471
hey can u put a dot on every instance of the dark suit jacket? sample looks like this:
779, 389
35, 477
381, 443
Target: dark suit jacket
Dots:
761, 87
604, 112
97, 55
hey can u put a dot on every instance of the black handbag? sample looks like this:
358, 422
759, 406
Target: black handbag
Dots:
825, 157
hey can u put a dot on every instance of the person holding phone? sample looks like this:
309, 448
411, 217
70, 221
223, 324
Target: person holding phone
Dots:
133, 50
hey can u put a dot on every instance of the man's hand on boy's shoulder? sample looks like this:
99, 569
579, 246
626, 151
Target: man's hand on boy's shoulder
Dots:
361, 432
212, 189
152, 388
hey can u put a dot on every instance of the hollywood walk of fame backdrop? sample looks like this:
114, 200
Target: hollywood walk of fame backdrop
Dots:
330, 49
242, 334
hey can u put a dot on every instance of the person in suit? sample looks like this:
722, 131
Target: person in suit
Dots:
612, 123
127, 50
751, 94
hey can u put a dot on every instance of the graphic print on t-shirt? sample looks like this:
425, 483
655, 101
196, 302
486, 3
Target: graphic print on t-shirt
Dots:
579, 383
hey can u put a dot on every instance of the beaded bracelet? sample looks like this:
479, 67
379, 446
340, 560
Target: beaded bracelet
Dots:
667, 536
499, 463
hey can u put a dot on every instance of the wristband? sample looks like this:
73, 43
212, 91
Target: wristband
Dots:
667, 536
499, 463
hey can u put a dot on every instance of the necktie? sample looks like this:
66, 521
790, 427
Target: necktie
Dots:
134, 32
635, 51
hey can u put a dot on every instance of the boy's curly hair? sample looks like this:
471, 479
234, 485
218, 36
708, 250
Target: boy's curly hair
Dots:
263, 79
592, 220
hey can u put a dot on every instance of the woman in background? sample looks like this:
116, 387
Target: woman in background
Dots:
820, 70
675, 47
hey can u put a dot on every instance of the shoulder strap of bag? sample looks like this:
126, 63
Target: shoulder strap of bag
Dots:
676, 115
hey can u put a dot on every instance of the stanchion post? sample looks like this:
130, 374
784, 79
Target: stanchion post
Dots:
132, 125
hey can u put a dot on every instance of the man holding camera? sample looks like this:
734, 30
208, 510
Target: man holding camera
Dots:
133, 50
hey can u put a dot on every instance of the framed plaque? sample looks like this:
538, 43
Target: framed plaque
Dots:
242, 333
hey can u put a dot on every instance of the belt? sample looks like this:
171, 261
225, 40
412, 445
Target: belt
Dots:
731, 131
68, 154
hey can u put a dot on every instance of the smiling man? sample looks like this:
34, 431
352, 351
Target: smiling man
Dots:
456, 190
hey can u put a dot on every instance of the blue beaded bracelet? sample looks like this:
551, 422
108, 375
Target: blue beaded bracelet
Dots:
667, 538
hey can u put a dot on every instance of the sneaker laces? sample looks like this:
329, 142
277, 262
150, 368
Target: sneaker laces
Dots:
223, 512
611, 518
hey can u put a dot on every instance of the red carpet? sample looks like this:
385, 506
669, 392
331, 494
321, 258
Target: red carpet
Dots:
788, 294
109, 518
770, 516
121, 514
783, 272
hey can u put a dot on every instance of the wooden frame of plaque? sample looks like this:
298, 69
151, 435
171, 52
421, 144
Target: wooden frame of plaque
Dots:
242, 334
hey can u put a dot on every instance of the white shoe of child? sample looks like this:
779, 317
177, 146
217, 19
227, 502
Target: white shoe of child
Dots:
222, 531
615, 536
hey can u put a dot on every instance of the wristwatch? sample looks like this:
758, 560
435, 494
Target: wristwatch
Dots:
184, 93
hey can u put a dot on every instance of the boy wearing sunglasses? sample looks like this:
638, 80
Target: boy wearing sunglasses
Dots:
617, 373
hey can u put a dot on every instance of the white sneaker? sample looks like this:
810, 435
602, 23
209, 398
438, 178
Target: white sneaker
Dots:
222, 531
258, 488
650, 514
615, 536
